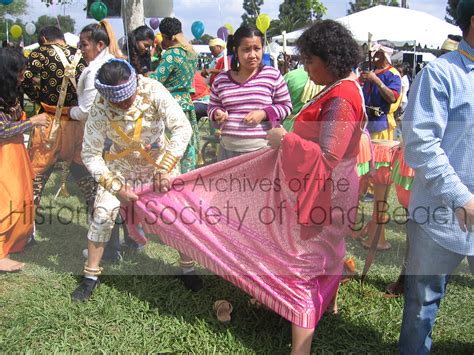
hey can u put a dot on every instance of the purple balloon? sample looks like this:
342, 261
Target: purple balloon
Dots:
154, 23
223, 33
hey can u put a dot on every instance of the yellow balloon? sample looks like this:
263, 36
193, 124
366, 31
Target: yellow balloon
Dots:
263, 22
230, 28
16, 31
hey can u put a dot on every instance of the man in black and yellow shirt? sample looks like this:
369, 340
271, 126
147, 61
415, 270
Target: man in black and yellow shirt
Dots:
43, 84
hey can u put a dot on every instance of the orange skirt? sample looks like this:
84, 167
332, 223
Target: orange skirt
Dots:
16, 193
68, 144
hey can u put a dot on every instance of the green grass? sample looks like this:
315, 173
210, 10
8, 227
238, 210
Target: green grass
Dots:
153, 312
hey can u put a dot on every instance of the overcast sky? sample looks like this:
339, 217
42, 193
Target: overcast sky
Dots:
215, 13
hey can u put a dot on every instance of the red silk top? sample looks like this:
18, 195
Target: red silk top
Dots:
325, 132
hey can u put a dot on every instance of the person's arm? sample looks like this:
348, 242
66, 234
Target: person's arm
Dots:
386, 90
165, 69
10, 128
311, 163
95, 133
175, 121
85, 100
34, 67
281, 106
424, 124
215, 102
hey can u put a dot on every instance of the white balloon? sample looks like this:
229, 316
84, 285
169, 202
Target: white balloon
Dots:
30, 28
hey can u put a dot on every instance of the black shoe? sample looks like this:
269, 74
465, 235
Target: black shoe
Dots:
191, 281
84, 291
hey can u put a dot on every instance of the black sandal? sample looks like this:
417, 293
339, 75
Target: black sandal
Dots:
84, 291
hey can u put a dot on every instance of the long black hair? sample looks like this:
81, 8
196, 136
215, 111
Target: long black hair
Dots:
233, 43
141, 62
12, 62
103, 31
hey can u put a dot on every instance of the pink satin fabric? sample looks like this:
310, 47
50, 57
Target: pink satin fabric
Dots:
248, 232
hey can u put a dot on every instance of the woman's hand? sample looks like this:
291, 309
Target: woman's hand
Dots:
371, 76
126, 195
161, 182
41, 120
275, 136
221, 116
253, 118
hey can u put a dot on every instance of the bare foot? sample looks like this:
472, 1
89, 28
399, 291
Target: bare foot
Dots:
382, 246
9, 265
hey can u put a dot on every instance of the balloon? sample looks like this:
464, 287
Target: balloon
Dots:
197, 28
263, 22
30, 28
6, 2
154, 23
223, 33
230, 28
98, 10
16, 31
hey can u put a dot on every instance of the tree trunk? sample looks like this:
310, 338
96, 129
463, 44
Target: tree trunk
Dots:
133, 14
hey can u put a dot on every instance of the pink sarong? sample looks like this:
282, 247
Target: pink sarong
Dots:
238, 218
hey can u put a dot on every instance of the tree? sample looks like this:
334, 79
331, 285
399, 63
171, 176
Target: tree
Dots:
360, 5
252, 10
451, 11
134, 15
287, 23
66, 23
17, 7
301, 10
48, 3
205, 38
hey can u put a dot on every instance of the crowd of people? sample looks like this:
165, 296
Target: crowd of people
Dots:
125, 122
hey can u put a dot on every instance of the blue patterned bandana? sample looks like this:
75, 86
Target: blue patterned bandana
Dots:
118, 93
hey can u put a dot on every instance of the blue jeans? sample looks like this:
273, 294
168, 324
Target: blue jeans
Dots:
428, 269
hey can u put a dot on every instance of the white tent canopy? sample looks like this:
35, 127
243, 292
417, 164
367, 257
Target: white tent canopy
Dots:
396, 24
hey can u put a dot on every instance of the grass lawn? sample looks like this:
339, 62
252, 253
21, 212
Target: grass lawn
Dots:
153, 312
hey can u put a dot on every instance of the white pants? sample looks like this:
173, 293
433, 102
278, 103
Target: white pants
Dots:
106, 208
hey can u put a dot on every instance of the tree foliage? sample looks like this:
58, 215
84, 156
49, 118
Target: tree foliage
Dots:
60, 2
16, 8
205, 38
451, 11
252, 10
66, 23
302, 10
360, 5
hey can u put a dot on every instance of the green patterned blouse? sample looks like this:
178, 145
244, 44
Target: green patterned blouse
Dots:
176, 72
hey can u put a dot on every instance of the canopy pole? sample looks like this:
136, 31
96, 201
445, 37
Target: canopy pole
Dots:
414, 61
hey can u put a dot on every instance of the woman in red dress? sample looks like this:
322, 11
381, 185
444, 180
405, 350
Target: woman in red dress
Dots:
322, 151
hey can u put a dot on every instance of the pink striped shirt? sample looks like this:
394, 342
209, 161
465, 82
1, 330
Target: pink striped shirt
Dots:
266, 90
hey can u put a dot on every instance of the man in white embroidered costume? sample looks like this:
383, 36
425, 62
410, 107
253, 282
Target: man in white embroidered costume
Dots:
133, 112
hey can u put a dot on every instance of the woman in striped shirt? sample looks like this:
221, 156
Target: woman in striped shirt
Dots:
248, 100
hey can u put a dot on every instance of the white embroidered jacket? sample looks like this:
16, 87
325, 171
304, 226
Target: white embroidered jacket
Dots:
159, 110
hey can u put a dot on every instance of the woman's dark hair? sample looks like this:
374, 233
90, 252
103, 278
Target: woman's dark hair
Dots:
233, 42
97, 33
103, 31
113, 73
50, 33
141, 62
12, 62
170, 26
334, 44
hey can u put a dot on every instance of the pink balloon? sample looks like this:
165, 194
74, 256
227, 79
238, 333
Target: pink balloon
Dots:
223, 33
154, 23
